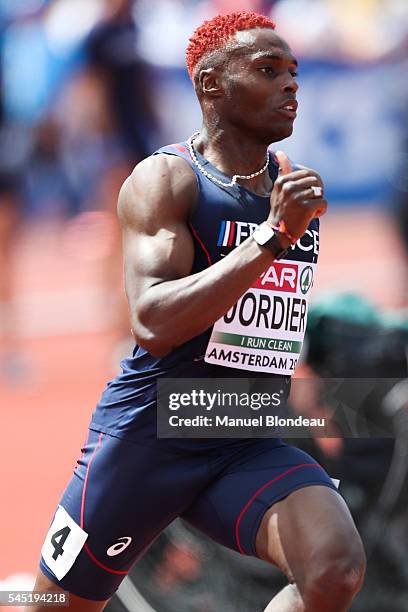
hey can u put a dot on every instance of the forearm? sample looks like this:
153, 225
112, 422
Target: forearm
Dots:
172, 312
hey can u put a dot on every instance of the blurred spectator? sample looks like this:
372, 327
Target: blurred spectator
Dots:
111, 50
48, 190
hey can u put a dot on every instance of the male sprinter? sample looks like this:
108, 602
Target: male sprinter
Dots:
190, 257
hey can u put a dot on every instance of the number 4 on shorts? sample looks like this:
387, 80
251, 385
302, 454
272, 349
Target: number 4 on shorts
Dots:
63, 543
58, 539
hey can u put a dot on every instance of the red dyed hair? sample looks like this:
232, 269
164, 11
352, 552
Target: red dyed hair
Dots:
213, 34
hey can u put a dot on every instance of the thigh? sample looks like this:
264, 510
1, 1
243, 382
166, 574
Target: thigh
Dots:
231, 509
119, 499
311, 527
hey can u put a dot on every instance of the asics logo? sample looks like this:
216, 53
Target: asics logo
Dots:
119, 547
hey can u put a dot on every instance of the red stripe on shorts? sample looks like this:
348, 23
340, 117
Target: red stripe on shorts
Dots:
258, 492
94, 559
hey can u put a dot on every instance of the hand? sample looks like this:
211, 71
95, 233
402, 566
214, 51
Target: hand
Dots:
293, 200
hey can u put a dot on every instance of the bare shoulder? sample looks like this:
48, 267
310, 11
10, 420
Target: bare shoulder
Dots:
161, 185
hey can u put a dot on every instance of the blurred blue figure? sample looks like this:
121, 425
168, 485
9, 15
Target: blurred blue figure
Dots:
111, 50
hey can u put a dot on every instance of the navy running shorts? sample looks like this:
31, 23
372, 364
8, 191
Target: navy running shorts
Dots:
123, 494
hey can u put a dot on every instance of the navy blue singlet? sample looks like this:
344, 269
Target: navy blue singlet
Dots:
222, 219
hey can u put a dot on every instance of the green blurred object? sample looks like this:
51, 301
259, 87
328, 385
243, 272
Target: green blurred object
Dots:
355, 309
347, 336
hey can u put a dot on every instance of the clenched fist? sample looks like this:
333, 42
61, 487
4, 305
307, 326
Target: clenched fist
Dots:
294, 202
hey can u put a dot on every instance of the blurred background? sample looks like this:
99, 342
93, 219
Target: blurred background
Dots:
87, 89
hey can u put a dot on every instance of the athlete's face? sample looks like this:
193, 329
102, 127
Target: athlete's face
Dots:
259, 85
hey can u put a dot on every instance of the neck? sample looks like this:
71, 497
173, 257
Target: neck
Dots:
232, 153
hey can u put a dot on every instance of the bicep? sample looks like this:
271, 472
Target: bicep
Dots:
153, 259
154, 207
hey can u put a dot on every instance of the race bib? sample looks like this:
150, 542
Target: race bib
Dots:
264, 330
63, 543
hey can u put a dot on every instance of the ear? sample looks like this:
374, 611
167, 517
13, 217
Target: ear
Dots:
210, 82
